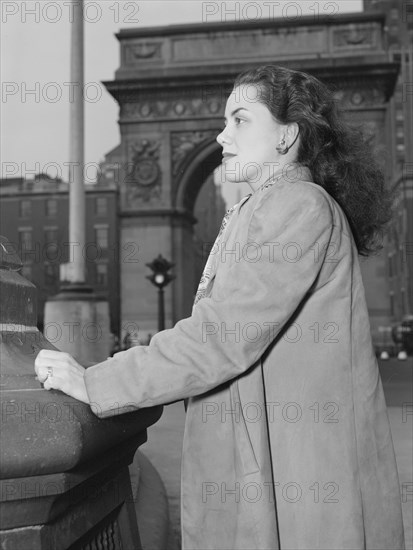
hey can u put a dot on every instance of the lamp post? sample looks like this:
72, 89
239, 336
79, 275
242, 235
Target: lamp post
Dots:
160, 278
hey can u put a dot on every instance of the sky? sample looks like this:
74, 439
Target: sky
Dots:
35, 69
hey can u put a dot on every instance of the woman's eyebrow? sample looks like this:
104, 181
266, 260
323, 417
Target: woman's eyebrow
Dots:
235, 111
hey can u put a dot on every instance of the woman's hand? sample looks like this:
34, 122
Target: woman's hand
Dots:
58, 370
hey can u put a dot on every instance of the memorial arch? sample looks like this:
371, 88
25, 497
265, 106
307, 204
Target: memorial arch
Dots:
171, 87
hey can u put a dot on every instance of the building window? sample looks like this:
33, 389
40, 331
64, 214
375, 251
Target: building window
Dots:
101, 206
25, 239
28, 252
101, 278
51, 208
50, 234
390, 260
25, 208
51, 247
50, 274
392, 308
101, 237
408, 15
394, 13
404, 300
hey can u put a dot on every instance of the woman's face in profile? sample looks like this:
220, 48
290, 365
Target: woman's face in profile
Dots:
249, 138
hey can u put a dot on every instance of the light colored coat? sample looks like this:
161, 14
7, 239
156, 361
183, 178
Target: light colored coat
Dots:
287, 440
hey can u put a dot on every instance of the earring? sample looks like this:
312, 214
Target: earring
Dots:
282, 147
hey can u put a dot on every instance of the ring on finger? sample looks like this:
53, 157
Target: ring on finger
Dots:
49, 372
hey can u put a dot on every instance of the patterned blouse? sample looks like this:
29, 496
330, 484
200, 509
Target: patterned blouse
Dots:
209, 268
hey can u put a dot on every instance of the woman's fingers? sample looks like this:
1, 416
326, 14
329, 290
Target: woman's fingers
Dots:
48, 383
48, 361
52, 357
59, 370
42, 366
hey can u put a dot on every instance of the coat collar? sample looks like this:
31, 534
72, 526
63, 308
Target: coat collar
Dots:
290, 172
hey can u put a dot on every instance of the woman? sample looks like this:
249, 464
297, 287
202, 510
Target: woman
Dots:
287, 441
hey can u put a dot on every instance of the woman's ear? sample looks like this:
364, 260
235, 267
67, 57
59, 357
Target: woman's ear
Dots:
291, 132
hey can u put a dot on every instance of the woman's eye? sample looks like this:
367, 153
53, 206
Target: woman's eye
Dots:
238, 120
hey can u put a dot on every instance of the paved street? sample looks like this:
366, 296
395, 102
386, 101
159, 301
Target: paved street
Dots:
398, 387
164, 450
165, 442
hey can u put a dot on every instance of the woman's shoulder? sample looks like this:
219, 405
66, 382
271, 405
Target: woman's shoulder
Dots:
292, 206
295, 199
295, 190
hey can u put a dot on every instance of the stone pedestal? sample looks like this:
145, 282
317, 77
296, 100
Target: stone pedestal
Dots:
64, 478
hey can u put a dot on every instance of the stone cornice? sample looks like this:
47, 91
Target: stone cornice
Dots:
355, 86
271, 23
345, 70
221, 50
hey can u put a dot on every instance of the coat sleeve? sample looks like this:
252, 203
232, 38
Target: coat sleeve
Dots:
289, 230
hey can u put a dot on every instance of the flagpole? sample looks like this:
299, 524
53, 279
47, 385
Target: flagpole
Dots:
77, 217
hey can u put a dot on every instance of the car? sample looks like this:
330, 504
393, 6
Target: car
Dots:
402, 334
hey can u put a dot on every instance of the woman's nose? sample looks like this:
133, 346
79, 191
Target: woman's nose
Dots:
223, 137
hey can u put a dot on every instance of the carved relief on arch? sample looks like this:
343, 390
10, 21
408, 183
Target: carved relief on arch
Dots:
144, 177
142, 51
171, 108
352, 36
360, 97
183, 146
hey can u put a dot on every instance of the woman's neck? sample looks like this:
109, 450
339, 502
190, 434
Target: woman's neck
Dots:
276, 172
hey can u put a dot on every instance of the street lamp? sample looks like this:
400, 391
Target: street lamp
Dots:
160, 278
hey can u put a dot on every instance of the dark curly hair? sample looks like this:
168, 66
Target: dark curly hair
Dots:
339, 158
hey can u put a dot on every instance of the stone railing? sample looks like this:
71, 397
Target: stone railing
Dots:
64, 479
